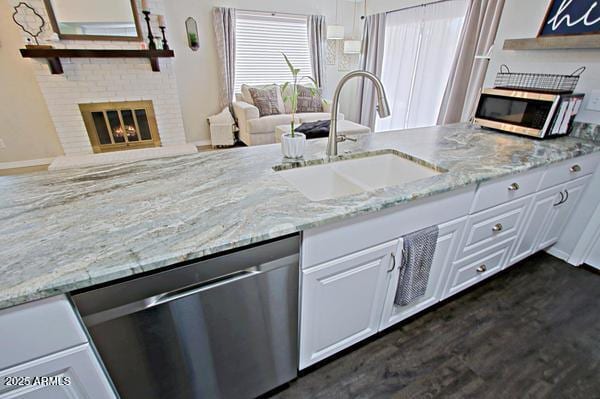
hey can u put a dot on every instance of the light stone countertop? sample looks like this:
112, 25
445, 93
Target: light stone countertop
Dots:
72, 229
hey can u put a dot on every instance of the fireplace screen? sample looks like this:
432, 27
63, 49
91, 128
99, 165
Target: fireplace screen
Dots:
120, 125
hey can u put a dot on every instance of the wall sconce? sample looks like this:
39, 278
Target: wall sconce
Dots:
191, 28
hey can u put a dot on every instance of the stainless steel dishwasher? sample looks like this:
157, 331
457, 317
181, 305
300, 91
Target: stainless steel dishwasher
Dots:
224, 327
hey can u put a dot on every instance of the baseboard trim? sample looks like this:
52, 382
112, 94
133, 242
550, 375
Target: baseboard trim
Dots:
26, 163
557, 253
201, 143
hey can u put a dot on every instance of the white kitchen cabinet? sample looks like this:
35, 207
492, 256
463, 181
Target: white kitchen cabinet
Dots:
342, 301
449, 236
559, 214
348, 292
539, 216
46, 339
74, 374
548, 217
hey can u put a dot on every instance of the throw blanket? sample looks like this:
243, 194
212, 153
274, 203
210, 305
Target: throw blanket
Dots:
314, 129
418, 251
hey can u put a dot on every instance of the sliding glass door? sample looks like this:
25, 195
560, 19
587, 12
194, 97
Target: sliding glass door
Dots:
420, 44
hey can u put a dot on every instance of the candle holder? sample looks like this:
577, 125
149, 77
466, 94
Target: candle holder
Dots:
151, 43
164, 38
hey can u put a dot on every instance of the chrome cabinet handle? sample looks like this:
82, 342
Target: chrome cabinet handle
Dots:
481, 269
575, 169
513, 187
566, 196
562, 199
393, 263
497, 227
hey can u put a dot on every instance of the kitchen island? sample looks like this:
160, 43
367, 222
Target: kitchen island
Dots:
73, 229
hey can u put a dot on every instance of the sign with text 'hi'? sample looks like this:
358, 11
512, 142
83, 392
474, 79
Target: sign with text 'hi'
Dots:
571, 17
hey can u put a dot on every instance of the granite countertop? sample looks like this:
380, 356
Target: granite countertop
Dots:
67, 230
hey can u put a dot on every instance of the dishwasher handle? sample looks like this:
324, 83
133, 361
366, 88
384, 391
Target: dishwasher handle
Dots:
204, 286
161, 299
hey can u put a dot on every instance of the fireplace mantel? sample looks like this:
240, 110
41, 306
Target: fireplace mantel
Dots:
53, 55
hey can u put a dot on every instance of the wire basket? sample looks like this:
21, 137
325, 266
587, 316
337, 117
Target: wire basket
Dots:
548, 83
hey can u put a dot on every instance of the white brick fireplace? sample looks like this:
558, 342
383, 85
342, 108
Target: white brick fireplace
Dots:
90, 80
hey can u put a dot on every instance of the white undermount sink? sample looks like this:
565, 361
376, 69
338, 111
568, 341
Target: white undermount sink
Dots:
345, 177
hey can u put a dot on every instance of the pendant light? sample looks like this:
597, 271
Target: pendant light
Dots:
335, 32
353, 46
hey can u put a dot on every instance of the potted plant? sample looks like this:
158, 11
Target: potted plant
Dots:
293, 143
193, 41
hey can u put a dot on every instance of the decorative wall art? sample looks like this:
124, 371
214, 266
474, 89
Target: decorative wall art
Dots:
571, 17
29, 20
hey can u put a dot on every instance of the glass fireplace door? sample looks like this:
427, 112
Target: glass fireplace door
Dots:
120, 126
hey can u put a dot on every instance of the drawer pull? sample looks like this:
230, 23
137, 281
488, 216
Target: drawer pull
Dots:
575, 169
513, 187
481, 269
497, 227
562, 199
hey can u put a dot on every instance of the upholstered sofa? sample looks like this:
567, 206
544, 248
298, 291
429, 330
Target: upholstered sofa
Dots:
257, 130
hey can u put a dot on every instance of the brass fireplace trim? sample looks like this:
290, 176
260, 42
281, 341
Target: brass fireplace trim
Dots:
88, 109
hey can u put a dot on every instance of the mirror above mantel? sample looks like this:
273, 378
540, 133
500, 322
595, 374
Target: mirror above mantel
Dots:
94, 20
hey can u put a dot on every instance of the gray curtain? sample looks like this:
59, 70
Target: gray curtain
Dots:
371, 60
316, 38
224, 27
467, 74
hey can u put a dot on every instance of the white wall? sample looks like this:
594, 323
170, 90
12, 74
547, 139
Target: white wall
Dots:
522, 19
197, 73
25, 125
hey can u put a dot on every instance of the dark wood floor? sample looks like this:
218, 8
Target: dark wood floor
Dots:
532, 332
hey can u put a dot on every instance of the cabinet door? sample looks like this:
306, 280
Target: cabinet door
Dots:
572, 192
342, 301
72, 374
541, 213
445, 251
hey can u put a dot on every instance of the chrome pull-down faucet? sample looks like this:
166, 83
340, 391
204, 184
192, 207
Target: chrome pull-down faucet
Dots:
383, 108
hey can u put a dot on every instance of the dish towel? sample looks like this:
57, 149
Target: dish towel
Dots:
314, 129
418, 251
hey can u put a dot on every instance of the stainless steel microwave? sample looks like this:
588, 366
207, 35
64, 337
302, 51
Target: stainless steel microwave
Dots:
528, 113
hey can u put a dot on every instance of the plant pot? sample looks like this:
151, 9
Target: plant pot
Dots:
293, 147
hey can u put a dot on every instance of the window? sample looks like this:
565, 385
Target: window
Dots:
260, 40
420, 45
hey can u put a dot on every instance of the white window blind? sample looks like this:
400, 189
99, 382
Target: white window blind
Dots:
260, 40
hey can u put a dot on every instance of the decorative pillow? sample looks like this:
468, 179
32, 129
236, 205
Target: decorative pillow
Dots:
266, 100
309, 102
247, 97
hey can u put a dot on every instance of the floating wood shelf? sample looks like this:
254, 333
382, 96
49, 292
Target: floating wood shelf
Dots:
554, 43
53, 55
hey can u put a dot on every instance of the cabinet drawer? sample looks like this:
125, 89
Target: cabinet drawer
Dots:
569, 170
494, 225
476, 268
73, 373
22, 327
497, 192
